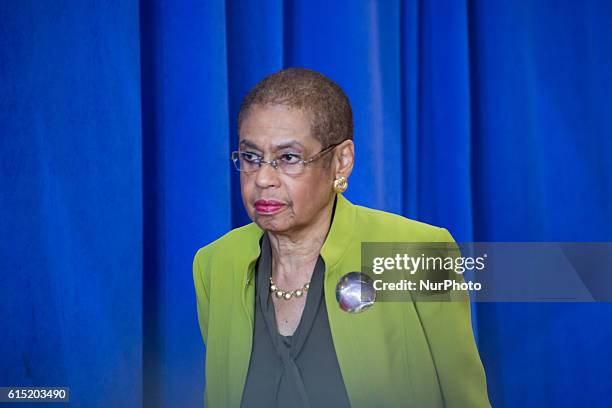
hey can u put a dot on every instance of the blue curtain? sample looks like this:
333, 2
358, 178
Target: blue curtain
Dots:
71, 257
489, 118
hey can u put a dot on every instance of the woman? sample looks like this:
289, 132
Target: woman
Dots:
274, 332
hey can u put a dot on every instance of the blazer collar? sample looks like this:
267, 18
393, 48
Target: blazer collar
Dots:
341, 232
336, 242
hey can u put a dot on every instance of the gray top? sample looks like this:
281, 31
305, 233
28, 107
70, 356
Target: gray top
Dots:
292, 371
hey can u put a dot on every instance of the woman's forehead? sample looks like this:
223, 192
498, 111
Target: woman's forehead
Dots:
276, 127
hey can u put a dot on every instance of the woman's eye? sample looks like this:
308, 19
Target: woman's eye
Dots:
290, 158
250, 157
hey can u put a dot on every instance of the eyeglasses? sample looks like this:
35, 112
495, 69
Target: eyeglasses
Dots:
288, 163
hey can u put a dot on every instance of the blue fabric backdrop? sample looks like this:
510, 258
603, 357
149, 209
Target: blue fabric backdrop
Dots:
489, 118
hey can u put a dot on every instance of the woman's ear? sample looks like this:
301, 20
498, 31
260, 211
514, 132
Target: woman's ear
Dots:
345, 158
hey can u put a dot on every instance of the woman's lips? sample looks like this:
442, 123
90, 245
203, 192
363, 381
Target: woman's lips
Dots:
268, 207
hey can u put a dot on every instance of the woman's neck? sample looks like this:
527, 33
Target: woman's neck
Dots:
295, 254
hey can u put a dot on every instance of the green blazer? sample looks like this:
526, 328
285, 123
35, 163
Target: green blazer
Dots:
395, 354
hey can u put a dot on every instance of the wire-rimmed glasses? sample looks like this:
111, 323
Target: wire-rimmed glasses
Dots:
288, 163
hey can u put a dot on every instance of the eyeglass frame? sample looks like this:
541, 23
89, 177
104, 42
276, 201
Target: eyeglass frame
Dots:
274, 162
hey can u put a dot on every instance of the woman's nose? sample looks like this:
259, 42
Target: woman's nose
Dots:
266, 176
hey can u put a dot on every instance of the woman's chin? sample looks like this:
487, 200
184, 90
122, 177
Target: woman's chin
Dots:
271, 224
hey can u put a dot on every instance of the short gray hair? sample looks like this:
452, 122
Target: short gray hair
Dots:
309, 91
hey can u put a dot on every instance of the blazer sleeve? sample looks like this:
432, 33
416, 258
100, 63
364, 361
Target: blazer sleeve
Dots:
201, 290
448, 329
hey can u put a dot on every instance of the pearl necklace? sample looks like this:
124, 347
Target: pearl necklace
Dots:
285, 294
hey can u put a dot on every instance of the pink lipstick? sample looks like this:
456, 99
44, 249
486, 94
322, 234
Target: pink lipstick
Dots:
268, 207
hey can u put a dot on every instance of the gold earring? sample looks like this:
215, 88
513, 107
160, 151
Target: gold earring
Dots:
340, 184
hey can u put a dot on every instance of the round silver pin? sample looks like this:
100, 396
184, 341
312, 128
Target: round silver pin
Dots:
355, 292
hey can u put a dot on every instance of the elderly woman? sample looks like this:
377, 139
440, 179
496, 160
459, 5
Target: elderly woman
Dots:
274, 332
